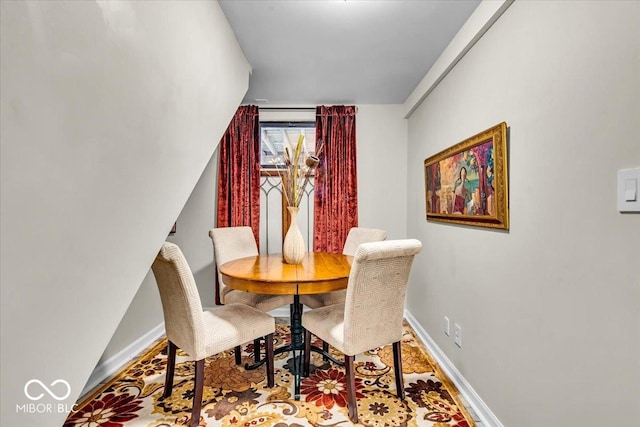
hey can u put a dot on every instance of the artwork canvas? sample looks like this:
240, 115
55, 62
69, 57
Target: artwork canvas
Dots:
467, 183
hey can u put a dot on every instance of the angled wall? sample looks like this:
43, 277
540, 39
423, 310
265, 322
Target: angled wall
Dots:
110, 113
550, 309
193, 224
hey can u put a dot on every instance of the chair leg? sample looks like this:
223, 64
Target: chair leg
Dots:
269, 355
238, 354
397, 363
197, 394
256, 349
325, 348
171, 364
352, 405
307, 353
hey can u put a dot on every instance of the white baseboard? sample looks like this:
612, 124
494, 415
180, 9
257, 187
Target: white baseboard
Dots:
107, 368
472, 398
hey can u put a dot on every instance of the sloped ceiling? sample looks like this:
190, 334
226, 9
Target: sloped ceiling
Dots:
324, 52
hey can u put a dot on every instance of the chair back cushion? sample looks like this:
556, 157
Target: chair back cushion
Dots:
374, 305
231, 243
358, 235
180, 300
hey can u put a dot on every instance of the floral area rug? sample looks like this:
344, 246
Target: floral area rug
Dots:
233, 396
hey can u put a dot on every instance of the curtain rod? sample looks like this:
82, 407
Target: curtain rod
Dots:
288, 108
313, 109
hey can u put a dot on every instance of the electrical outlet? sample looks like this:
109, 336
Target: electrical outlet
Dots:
457, 337
447, 330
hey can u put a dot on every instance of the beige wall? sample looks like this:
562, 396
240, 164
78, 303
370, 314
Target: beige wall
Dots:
381, 131
550, 310
110, 113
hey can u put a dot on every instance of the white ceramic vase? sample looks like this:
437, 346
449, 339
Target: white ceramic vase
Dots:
293, 247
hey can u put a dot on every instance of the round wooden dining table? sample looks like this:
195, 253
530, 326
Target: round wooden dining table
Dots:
319, 272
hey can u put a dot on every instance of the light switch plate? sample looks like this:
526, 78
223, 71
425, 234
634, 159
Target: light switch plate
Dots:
457, 335
629, 190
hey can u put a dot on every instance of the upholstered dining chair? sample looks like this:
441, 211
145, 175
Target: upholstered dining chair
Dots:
372, 313
202, 333
231, 243
356, 236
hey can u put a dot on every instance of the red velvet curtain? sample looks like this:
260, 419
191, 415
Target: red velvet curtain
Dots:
239, 172
336, 183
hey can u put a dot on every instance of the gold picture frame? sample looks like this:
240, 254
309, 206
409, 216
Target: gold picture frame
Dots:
468, 183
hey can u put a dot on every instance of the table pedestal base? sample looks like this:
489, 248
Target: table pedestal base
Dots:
295, 364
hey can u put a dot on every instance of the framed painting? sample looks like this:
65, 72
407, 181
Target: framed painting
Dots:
467, 183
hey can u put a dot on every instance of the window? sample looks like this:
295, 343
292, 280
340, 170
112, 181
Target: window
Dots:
274, 219
276, 136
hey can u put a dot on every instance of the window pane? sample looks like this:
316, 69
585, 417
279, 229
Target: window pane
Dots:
276, 136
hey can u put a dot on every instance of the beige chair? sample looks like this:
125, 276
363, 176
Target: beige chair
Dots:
356, 236
202, 334
373, 310
231, 243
